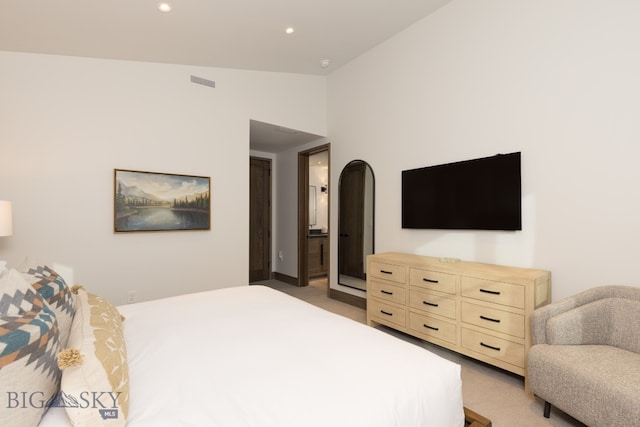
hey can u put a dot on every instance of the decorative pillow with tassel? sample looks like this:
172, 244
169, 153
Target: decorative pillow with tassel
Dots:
95, 376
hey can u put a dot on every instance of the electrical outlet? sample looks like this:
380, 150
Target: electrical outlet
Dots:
131, 297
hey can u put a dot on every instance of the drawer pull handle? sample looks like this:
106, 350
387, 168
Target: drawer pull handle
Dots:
489, 346
386, 272
386, 292
386, 312
490, 319
486, 291
430, 327
429, 303
424, 279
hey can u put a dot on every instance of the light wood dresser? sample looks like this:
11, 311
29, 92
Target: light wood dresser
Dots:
479, 310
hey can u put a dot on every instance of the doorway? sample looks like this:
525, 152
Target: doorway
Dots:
313, 228
259, 219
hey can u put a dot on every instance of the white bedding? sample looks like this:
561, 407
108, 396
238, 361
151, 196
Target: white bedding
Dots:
252, 356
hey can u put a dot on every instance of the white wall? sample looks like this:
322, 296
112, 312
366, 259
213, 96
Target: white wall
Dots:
66, 123
554, 79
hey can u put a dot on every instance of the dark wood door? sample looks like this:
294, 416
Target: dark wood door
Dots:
351, 227
260, 219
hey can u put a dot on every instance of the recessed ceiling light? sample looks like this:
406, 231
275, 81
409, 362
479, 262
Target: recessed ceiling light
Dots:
325, 63
290, 30
164, 7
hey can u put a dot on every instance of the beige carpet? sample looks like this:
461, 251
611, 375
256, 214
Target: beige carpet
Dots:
491, 392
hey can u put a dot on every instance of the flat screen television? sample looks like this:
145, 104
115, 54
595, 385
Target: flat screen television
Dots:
478, 194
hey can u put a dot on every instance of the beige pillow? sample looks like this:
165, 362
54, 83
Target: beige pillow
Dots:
99, 386
29, 343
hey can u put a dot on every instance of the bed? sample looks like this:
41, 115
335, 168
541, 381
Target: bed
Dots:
254, 356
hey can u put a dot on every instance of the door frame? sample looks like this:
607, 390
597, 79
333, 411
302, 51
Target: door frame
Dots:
303, 213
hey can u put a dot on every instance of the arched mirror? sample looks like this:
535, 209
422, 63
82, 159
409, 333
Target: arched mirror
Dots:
355, 223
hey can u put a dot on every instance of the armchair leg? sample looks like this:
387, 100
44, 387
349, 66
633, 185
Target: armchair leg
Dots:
547, 409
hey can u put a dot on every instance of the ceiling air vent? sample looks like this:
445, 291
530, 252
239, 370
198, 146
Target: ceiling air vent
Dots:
203, 81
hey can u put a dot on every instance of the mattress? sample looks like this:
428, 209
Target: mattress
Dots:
253, 356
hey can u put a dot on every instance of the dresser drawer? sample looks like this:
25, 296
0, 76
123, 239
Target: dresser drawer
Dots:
395, 273
386, 312
433, 327
387, 291
491, 346
430, 303
433, 280
490, 318
491, 291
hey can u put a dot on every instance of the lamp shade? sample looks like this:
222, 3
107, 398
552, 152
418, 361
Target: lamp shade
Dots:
6, 218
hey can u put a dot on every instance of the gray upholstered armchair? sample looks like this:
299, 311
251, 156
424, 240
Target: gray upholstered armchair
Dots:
585, 357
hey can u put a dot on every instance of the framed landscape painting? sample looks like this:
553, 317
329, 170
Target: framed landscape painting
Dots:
152, 201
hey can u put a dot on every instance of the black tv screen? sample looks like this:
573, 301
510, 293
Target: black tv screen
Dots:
479, 194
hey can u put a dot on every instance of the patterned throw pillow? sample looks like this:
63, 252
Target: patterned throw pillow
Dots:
29, 344
55, 291
102, 370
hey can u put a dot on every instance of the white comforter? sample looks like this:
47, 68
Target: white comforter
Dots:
252, 356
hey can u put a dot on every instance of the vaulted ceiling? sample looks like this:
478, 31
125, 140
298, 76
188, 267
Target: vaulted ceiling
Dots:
242, 34
239, 34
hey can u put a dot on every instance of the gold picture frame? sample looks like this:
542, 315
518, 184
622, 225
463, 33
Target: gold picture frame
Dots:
154, 201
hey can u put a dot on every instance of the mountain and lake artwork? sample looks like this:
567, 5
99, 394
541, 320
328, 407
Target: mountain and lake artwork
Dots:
151, 201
